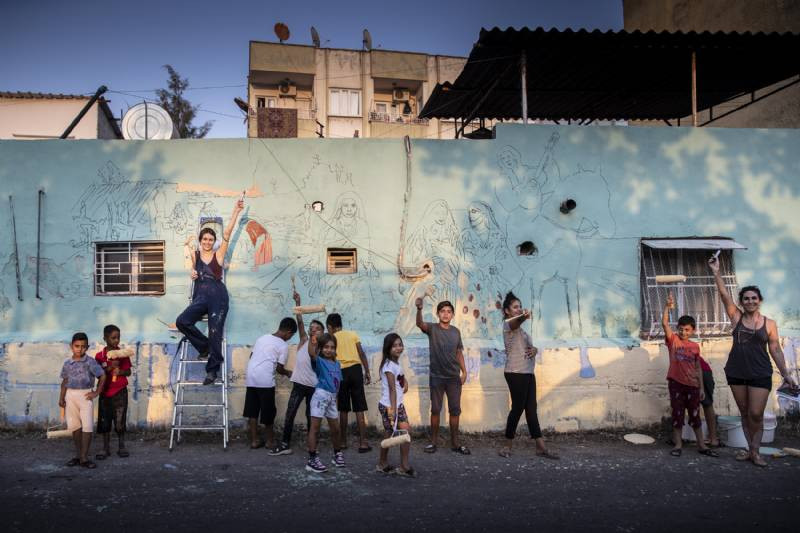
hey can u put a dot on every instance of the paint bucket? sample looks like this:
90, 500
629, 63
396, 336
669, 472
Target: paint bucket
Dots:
688, 432
731, 433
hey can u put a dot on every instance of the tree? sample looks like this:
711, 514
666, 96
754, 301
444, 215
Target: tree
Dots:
179, 108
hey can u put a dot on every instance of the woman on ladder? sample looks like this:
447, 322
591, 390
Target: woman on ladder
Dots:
210, 297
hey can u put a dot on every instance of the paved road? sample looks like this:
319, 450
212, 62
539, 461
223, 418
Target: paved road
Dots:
600, 484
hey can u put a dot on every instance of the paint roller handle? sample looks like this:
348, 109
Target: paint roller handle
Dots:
670, 301
713, 264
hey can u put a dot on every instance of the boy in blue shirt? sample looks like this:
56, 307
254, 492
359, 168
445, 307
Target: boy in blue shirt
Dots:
323, 402
77, 379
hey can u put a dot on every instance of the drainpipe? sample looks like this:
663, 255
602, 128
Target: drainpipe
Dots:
100, 90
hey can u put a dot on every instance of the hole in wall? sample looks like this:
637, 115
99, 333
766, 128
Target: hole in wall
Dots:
568, 205
317, 206
527, 248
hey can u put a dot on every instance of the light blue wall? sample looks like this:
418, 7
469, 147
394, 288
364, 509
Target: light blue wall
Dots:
629, 183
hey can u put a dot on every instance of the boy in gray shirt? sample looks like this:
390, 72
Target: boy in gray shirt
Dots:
447, 371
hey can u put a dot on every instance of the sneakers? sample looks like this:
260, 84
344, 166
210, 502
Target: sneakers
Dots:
315, 465
211, 377
281, 449
338, 460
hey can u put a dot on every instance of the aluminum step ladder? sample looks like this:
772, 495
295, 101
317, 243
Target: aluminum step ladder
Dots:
186, 378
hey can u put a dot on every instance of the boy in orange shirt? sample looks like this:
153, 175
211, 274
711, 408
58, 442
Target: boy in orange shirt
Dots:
685, 379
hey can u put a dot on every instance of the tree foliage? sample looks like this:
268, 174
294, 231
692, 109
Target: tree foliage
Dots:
179, 108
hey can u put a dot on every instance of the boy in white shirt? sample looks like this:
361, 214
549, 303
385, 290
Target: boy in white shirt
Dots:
269, 355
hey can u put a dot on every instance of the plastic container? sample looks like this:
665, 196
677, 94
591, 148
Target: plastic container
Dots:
688, 432
730, 430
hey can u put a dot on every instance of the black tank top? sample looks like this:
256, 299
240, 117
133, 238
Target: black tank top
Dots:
212, 269
749, 358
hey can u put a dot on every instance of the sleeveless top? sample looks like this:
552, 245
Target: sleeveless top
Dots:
212, 270
748, 358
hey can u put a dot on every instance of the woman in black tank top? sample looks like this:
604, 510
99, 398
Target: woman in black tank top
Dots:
209, 297
749, 369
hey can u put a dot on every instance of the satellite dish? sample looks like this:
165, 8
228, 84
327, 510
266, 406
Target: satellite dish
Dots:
367, 40
148, 121
282, 31
314, 37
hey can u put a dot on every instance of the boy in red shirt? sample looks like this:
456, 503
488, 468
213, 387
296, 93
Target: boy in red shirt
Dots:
113, 408
685, 379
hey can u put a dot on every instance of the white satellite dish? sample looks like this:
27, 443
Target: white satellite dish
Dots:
148, 121
367, 40
315, 37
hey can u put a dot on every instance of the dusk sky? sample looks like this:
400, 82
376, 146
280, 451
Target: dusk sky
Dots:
74, 47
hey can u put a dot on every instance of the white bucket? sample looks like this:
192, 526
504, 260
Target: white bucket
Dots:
730, 430
688, 432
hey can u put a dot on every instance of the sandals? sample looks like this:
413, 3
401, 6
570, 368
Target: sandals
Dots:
388, 469
405, 473
742, 455
102, 456
365, 449
463, 450
676, 452
504, 452
708, 452
88, 464
758, 461
122, 452
75, 461
430, 448
547, 454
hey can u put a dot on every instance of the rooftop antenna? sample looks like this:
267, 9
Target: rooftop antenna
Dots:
282, 31
314, 37
367, 40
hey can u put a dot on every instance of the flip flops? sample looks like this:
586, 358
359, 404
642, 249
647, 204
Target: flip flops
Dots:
742, 455
430, 448
708, 452
75, 461
676, 452
463, 450
102, 456
388, 469
88, 464
547, 454
504, 452
405, 473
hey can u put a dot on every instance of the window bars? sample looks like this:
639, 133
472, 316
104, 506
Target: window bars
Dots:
129, 268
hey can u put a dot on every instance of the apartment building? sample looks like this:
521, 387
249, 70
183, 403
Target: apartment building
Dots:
308, 91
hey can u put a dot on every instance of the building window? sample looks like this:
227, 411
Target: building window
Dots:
129, 268
345, 103
696, 295
342, 261
262, 102
382, 107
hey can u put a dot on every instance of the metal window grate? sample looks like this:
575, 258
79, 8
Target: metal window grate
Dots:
697, 296
129, 268
342, 261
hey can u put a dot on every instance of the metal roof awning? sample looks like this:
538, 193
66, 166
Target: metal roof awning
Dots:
694, 244
585, 76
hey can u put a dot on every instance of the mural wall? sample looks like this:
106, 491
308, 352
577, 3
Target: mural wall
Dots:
459, 220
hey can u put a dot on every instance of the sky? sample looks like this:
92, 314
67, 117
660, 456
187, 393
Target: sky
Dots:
74, 47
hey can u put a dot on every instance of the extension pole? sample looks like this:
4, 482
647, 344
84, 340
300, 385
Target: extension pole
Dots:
16, 250
694, 88
524, 76
85, 109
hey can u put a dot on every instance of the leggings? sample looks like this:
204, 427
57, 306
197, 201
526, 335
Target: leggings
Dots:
523, 398
299, 393
211, 298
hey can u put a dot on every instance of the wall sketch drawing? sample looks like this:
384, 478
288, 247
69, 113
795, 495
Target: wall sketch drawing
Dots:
436, 240
67, 280
115, 208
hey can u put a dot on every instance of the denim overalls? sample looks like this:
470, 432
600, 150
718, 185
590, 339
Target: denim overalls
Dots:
210, 297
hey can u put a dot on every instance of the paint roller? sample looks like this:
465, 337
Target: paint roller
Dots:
399, 436
55, 433
121, 353
308, 309
794, 452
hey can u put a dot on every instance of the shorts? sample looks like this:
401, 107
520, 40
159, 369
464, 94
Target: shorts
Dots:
351, 390
759, 383
260, 401
388, 423
323, 404
113, 411
440, 387
79, 411
708, 388
684, 398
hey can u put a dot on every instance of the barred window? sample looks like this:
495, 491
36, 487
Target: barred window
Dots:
342, 261
696, 296
129, 268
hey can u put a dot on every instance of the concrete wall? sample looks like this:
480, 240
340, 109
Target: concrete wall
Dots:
780, 110
22, 118
463, 216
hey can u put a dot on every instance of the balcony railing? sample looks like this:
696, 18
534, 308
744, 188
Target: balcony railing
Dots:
375, 116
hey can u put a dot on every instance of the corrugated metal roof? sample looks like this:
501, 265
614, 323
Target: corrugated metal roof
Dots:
610, 75
42, 96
